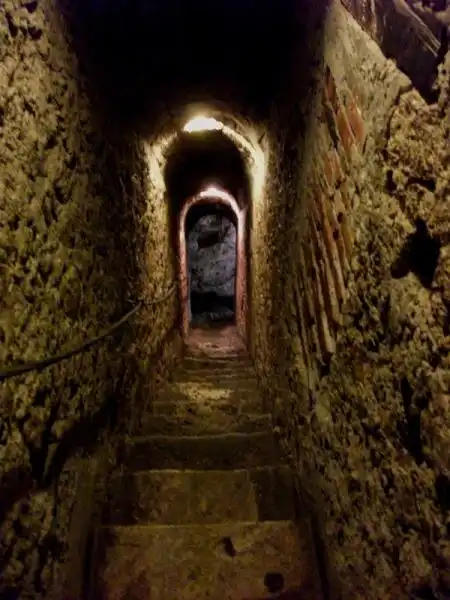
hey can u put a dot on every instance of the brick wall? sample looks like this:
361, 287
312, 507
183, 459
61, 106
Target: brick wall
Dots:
374, 345
326, 248
356, 90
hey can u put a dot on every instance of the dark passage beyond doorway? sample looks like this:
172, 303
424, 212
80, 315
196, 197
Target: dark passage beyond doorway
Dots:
212, 271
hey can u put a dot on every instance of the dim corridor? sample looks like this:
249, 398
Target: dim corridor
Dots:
204, 506
284, 166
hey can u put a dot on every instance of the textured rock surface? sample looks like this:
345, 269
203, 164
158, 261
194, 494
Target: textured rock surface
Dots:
73, 227
371, 437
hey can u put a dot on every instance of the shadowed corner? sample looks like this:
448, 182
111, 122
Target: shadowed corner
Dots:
419, 255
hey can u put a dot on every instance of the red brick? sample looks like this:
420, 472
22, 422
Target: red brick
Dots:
328, 169
342, 218
356, 122
339, 175
320, 215
326, 277
345, 194
345, 133
331, 93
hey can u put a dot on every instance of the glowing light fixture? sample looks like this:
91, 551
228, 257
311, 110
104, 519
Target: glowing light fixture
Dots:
215, 192
202, 123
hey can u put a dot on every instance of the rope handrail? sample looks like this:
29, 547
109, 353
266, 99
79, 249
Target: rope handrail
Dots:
38, 365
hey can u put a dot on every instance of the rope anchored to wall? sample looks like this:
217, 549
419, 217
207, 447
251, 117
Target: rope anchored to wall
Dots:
38, 365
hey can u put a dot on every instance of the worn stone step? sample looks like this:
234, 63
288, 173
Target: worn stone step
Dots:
225, 451
225, 407
205, 420
194, 392
187, 497
213, 363
218, 378
216, 355
214, 383
241, 359
229, 561
211, 372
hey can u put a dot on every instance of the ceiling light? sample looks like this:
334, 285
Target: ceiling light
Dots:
201, 123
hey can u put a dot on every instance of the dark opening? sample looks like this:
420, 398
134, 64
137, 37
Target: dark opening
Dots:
419, 254
211, 258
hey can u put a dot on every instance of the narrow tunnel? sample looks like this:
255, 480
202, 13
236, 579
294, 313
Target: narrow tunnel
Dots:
208, 190
224, 300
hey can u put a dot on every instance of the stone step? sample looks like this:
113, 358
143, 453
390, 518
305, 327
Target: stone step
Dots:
225, 407
215, 355
215, 382
174, 497
212, 385
213, 375
213, 371
215, 363
206, 420
211, 452
209, 394
232, 561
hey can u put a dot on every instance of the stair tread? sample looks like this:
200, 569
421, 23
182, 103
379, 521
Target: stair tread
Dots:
220, 561
225, 375
193, 496
190, 393
200, 365
211, 436
219, 381
225, 404
220, 451
214, 379
205, 422
209, 388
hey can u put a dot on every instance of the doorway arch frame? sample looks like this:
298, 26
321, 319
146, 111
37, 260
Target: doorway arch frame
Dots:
215, 196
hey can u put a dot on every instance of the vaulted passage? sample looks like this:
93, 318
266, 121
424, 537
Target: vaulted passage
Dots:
224, 300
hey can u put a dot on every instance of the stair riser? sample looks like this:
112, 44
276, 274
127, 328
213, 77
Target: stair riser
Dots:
219, 381
204, 424
213, 373
217, 355
195, 363
220, 453
189, 497
188, 408
212, 388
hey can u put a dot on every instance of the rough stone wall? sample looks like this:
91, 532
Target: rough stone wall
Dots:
73, 227
370, 319
413, 33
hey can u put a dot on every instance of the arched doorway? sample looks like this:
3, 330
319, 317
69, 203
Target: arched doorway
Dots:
218, 203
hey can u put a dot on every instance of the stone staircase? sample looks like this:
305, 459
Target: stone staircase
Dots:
204, 508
